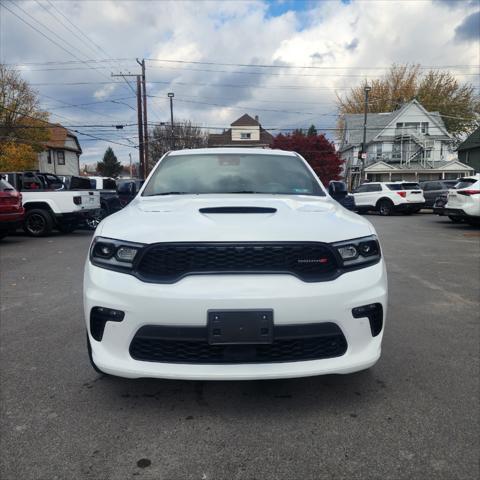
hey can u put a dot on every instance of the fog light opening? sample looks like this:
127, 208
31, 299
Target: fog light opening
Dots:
374, 313
99, 316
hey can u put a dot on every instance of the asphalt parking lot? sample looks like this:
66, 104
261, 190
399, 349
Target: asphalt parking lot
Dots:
414, 415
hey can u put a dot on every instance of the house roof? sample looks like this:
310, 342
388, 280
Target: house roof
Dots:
225, 138
382, 167
377, 122
245, 121
58, 137
471, 142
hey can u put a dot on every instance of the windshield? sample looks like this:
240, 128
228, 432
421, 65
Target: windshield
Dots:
232, 173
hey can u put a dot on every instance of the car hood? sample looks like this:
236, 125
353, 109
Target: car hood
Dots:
179, 219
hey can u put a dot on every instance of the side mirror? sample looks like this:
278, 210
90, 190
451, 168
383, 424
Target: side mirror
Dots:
337, 190
132, 188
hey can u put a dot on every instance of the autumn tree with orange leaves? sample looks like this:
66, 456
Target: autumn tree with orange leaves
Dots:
23, 124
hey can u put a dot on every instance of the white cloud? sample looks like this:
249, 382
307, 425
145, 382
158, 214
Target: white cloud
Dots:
328, 34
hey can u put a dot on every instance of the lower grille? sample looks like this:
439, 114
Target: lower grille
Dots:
291, 343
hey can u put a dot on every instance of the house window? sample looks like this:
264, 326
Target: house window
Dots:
425, 127
245, 136
379, 150
49, 157
61, 158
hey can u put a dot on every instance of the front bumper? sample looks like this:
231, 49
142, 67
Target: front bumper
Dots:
9, 222
186, 303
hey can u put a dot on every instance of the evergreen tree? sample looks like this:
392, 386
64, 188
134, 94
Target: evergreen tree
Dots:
109, 166
312, 131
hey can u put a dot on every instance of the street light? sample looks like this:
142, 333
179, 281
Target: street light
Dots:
170, 96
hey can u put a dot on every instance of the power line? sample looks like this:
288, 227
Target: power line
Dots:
250, 65
46, 36
86, 37
127, 59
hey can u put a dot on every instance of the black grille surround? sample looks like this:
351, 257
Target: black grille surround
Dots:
292, 343
169, 262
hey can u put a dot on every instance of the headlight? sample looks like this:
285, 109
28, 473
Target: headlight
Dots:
360, 252
114, 254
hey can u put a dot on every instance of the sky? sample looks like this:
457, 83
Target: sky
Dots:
305, 54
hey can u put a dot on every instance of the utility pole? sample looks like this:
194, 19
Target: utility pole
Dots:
363, 152
145, 122
170, 96
141, 138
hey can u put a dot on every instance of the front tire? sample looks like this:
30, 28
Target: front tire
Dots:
385, 207
38, 223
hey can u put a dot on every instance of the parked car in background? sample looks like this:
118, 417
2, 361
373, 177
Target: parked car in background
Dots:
434, 189
339, 191
103, 183
127, 189
389, 197
47, 207
11, 209
109, 199
463, 202
234, 264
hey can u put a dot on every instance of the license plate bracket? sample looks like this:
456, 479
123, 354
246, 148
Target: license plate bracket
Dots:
240, 327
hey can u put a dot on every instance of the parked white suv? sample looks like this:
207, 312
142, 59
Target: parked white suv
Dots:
389, 197
234, 264
463, 201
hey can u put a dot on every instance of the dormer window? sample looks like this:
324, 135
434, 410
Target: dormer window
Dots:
245, 136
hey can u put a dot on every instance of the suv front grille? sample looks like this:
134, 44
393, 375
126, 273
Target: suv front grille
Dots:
168, 262
190, 345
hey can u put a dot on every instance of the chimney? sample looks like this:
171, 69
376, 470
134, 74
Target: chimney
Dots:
256, 118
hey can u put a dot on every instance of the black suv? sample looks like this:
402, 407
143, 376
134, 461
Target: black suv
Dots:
434, 189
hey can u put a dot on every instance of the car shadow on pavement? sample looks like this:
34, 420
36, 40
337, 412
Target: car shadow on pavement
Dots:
328, 392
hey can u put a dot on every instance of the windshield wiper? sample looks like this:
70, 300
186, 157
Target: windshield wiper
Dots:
168, 193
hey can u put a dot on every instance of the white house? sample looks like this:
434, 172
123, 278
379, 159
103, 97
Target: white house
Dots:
407, 144
244, 132
62, 152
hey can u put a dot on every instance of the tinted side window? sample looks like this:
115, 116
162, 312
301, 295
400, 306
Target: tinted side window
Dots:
374, 188
124, 188
109, 184
361, 188
465, 183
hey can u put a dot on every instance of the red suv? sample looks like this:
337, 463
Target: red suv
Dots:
11, 209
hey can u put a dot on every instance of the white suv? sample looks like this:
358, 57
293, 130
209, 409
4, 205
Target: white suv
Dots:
234, 264
389, 197
463, 202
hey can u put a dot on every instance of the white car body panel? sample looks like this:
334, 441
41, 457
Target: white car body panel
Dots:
370, 199
61, 201
470, 204
176, 218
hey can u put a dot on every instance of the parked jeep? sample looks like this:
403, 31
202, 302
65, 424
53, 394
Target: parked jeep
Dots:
109, 199
48, 205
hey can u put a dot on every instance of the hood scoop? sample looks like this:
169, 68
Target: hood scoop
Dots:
233, 209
